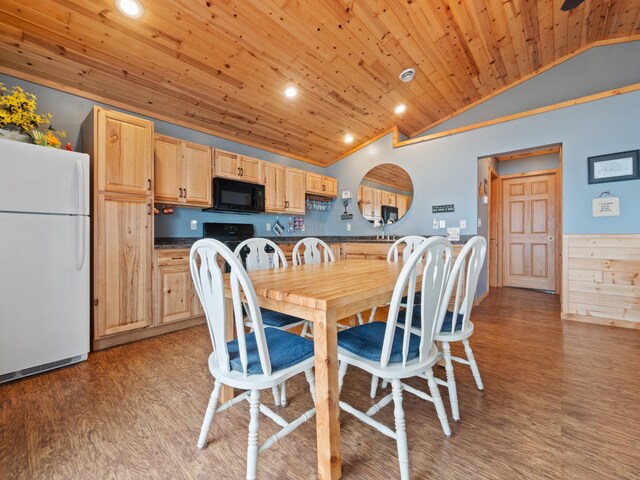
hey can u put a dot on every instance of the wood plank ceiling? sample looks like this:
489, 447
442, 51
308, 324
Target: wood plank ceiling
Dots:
222, 65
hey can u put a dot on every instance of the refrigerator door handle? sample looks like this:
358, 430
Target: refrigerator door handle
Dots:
80, 253
80, 187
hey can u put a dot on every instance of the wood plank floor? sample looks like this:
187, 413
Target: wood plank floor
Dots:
561, 400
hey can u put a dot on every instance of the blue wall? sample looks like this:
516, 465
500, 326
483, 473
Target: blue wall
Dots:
444, 170
69, 111
596, 70
529, 164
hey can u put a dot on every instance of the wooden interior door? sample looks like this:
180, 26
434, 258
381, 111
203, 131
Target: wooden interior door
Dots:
495, 276
529, 231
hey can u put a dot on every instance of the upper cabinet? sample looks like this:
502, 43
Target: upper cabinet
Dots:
388, 198
237, 167
284, 189
182, 172
124, 153
320, 185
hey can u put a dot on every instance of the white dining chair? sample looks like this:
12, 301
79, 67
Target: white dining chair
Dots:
457, 304
252, 362
255, 255
410, 243
312, 250
384, 350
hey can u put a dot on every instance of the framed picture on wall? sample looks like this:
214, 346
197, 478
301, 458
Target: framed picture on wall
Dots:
614, 167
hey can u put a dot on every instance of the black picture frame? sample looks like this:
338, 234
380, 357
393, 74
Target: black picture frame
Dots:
614, 167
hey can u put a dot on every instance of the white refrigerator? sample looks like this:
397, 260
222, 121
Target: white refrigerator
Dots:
44, 259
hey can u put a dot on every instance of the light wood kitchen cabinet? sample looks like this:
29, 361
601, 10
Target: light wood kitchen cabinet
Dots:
182, 172
274, 187
294, 191
122, 263
402, 202
284, 189
123, 151
320, 185
388, 198
174, 295
237, 167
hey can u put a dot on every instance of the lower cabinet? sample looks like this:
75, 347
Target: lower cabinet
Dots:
175, 298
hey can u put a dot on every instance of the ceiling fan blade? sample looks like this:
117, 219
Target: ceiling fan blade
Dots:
570, 5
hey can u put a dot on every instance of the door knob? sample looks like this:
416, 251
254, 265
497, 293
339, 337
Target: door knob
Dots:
550, 238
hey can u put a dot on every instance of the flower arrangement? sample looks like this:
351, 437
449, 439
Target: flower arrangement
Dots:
18, 113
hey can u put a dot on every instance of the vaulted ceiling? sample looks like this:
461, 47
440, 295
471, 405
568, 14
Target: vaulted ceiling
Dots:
221, 65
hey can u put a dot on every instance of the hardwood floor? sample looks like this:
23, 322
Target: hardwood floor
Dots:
560, 401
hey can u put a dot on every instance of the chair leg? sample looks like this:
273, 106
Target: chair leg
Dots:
312, 383
208, 416
283, 394
305, 327
373, 314
360, 320
276, 395
451, 381
374, 386
401, 432
473, 364
342, 371
385, 384
253, 449
437, 401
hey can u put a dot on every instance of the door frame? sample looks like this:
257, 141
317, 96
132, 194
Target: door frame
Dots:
558, 226
494, 219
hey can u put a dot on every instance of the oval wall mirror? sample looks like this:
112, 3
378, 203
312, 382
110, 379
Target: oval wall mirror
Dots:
385, 193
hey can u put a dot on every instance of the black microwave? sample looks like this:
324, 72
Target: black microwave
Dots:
237, 197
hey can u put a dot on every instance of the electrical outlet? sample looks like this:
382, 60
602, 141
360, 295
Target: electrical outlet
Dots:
268, 227
348, 227
463, 224
194, 224
435, 224
442, 224
479, 222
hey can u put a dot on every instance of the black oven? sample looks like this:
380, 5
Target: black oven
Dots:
237, 197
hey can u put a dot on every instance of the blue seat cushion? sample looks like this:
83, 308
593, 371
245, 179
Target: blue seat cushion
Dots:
285, 350
448, 319
271, 318
417, 299
415, 320
366, 341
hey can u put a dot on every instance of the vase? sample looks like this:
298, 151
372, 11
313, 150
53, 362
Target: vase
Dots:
8, 133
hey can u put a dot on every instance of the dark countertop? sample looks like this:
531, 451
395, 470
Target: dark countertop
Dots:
187, 242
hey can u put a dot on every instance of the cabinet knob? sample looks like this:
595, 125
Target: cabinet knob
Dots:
149, 184
180, 194
148, 209
185, 192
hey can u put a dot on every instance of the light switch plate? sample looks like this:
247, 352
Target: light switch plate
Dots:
348, 227
435, 224
194, 224
442, 224
463, 224
268, 227
479, 222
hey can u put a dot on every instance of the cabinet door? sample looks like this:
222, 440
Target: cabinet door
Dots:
251, 170
124, 153
365, 201
226, 164
377, 203
330, 186
274, 187
167, 172
122, 264
388, 198
294, 195
176, 295
313, 183
196, 174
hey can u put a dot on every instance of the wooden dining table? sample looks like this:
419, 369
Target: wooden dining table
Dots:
323, 293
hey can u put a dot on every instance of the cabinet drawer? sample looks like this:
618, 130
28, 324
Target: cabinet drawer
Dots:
172, 257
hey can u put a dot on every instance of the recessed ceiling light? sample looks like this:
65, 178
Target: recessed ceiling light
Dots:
400, 108
130, 8
348, 138
290, 91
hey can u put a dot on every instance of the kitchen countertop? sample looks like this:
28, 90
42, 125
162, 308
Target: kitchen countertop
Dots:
187, 242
